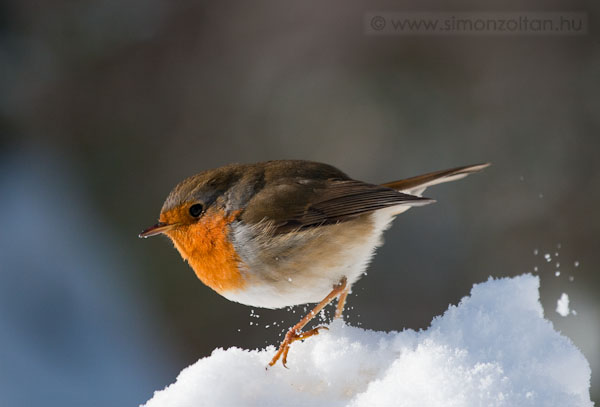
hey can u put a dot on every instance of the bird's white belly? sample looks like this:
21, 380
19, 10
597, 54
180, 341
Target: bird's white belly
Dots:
317, 262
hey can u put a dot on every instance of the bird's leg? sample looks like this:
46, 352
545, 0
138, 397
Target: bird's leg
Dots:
295, 333
341, 302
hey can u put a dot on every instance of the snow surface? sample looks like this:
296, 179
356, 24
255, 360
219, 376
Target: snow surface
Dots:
493, 349
562, 305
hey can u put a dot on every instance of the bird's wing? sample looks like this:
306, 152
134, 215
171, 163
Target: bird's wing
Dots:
301, 203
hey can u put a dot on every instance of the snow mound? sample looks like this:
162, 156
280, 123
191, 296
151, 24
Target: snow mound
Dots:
493, 349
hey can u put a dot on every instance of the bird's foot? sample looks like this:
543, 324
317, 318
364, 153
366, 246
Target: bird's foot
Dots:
292, 336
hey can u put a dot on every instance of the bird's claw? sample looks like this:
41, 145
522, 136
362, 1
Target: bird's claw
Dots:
291, 337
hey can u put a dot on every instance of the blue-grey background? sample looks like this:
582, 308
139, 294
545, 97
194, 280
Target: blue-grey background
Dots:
106, 105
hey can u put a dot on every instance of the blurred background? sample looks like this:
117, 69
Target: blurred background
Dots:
106, 105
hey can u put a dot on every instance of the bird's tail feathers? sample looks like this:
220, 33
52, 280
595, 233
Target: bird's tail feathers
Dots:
417, 185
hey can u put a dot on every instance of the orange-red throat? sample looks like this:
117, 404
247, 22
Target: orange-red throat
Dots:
205, 245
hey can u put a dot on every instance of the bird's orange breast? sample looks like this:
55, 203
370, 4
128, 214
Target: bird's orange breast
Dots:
206, 247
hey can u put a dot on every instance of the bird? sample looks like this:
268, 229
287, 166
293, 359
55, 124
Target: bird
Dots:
281, 233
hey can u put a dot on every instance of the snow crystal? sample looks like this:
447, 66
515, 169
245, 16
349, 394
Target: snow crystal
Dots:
492, 349
562, 305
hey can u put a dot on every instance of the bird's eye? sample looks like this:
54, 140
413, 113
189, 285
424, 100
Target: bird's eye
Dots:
196, 210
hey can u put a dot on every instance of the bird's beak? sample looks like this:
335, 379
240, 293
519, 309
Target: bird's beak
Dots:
157, 229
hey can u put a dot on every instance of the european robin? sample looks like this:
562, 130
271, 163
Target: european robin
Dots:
283, 233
